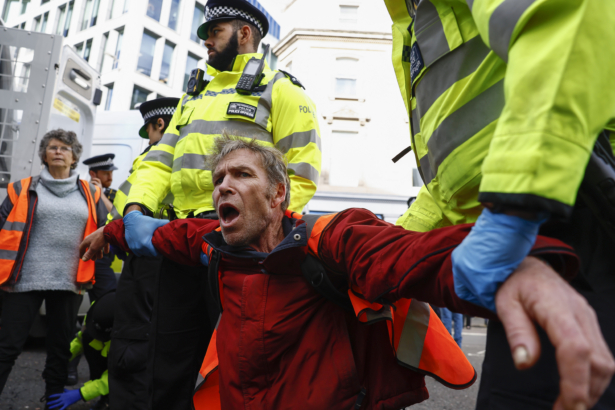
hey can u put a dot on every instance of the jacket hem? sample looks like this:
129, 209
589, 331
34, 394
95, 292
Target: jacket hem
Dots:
528, 202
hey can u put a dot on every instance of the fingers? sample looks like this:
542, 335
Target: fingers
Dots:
520, 332
107, 248
85, 244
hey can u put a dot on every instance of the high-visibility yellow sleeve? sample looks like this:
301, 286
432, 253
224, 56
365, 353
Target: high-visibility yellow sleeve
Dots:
96, 388
423, 215
297, 134
152, 179
559, 96
76, 346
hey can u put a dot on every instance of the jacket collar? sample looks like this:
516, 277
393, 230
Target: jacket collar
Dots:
238, 64
295, 235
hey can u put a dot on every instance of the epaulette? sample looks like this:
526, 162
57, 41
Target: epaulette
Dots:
292, 79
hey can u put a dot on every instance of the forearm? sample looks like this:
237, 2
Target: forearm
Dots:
181, 240
96, 388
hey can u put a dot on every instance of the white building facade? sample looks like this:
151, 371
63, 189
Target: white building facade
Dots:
341, 52
144, 49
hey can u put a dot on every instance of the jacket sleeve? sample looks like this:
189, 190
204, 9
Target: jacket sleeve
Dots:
152, 179
5, 210
424, 214
180, 240
96, 388
387, 261
296, 133
559, 96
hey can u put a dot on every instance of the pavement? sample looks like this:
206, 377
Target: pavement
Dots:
25, 385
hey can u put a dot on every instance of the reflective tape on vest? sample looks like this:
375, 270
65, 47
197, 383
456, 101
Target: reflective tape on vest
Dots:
12, 232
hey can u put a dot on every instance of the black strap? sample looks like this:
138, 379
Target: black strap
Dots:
212, 275
317, 276
402, 154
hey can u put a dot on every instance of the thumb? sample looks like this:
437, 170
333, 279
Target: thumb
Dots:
520, 332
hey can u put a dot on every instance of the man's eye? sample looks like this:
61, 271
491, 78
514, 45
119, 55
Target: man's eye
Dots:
218, 181
245, 174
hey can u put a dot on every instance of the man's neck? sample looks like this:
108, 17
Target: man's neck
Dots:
273, 235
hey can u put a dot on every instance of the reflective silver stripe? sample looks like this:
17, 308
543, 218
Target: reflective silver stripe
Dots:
160, 156
372, 316
8, 255
462, 125
430, 33
17, 188
263, 110
416, 122
240, 128
502, 23
190, 161
459, 64
115, 214
426, 170
412, 339
185, 99
298, 140
125, 187
470, 3
305, 170
169, 139
14, 226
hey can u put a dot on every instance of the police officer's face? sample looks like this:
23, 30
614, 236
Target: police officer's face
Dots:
222, 45
105, 177
243, 197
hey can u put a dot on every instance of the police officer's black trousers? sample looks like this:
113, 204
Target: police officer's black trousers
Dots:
129, 379
96, 361
504, 387
182, 335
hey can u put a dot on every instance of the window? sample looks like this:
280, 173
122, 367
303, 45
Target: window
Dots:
349, 14
90, 13
345, 80
165, 68
37, 24
109, 96
153, 9
174, 14
44, 23
126, 6
417, 181
40, 23
118, 48
65, 13
79, 49
103, 46
191, 63
14, 8
146, 54
198, 18
88, 50
139, 95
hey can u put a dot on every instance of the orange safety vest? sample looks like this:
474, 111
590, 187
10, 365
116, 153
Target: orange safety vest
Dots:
418, 337
15, 233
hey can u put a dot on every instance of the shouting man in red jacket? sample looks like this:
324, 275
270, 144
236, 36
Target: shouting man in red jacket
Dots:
280, 344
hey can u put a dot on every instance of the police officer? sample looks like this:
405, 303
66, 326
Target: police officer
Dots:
274, 109
128, 377
506, 100
101, 174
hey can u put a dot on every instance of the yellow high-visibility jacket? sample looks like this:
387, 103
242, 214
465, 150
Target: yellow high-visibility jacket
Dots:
119, 203
280, 114
506, 99
92, 388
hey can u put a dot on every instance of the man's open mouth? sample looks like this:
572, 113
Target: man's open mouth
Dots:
228, 213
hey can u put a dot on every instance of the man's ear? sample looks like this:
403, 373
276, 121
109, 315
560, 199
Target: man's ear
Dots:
92, 174
160, 123
278, 195
245, 35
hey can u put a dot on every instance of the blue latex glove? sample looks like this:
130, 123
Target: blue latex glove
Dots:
139, 230
495, 247
62, 401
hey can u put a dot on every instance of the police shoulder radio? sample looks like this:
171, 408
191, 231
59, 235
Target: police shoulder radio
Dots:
252, 74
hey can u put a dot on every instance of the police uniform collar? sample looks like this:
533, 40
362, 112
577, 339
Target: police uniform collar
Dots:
238, 64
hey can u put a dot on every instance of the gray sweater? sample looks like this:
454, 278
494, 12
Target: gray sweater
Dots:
58, 227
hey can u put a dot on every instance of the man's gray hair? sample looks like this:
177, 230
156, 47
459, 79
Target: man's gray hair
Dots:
67, 137
272, 159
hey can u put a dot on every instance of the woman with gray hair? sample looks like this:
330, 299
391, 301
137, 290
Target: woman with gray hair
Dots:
43, 220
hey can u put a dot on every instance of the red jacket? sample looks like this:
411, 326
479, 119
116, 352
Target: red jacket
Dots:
283, 346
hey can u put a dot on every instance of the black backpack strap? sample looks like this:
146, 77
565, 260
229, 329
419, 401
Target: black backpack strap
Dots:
316, 275
212, 277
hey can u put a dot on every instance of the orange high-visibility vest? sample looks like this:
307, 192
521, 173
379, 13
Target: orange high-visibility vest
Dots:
15, 233
418, 337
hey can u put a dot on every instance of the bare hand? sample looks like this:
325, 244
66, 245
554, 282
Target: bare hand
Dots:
94, 245
534, 292
97, 182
